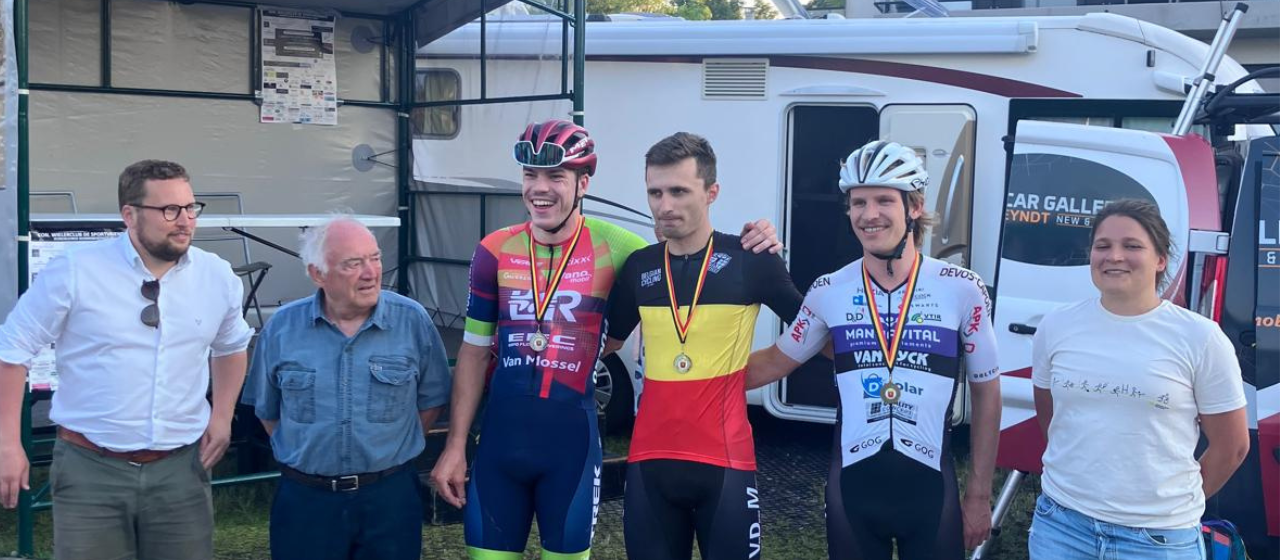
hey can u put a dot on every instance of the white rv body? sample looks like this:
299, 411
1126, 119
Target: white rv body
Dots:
942, 86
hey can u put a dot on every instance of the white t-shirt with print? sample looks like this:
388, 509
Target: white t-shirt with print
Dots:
1127, 393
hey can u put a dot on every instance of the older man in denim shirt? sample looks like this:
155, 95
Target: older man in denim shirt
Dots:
347, 381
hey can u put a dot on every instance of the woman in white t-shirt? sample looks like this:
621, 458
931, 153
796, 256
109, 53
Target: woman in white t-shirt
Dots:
1124, 384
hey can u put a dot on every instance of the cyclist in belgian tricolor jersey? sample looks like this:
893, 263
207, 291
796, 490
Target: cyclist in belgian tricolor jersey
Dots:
906, 330
696, 296
538, 293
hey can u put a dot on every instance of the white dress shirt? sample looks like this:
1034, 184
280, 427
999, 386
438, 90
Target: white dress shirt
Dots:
122, 384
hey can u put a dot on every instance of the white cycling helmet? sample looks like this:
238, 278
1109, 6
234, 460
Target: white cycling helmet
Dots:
884, 164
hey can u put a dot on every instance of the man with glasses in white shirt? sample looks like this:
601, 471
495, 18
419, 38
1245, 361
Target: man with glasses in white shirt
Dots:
135, 321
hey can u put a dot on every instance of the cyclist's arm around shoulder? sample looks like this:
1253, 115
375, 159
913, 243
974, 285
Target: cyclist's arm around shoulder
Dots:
768, 365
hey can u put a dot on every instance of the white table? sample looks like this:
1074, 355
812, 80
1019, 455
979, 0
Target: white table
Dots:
231, 222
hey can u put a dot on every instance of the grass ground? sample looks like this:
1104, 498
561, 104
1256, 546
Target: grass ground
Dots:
242, 518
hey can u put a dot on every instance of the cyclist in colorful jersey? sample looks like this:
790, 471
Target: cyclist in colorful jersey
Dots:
540, 289
892, 476
696, 297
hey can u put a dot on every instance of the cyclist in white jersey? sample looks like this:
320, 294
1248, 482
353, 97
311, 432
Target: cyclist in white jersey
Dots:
892, 477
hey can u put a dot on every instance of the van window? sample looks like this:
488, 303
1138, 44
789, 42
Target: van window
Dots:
436, 84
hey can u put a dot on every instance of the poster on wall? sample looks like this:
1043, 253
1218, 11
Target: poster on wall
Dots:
46, 244
299, 77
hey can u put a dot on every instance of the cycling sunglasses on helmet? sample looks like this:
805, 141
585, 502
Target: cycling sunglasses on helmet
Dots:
551, 154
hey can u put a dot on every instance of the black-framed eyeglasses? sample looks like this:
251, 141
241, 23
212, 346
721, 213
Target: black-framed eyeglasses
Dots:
151, 314
171, 211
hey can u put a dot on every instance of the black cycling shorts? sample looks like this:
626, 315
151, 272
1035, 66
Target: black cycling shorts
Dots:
888, 498
668, 502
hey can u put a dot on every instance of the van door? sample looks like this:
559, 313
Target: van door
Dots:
818, 235
943, 136
1060, 176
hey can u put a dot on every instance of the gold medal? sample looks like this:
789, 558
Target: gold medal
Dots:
890, 393
538, 342
683, 363
542, 301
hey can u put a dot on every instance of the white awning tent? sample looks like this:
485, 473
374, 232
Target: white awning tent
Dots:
112, 82
90, 86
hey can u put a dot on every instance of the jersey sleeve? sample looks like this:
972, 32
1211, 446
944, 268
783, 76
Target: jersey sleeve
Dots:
621, 241
1217, 384
808, 332
482, 300
624, 312
978, 336
773, 286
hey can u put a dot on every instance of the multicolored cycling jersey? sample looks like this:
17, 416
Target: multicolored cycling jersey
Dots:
948, 333
700, 414
501, 303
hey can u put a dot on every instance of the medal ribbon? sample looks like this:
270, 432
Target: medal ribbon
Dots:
890, 347
682, 327
542, 301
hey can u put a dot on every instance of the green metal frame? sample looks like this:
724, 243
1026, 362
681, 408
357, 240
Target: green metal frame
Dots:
572, 18
401, 25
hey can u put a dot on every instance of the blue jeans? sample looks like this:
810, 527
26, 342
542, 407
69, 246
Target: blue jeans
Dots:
1058, 533
381, 521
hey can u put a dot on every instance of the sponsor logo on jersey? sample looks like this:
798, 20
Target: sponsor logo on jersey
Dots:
1267, 322
557, 341
860, 299
866, 358
985, 375
953, 272
820, 282
860, 333
585, 259
921, 335
514, 275
919, 448
542, 362
854, 317
577, 276
975, 321
650, 278
970, 347
872, 382
804, 310
718, 262
800, 330
920, 318
867, 444
520, 306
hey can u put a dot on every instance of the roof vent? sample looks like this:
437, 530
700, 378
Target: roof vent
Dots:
734, 78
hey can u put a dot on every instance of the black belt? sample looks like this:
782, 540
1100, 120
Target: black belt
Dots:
348, 483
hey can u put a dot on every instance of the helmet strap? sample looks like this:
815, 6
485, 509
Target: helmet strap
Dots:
577, 201
888, 258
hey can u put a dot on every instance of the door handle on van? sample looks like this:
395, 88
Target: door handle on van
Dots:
1019, 328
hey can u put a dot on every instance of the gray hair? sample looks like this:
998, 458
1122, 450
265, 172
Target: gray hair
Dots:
315, 241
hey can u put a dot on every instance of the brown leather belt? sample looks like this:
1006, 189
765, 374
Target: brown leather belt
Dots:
139, 457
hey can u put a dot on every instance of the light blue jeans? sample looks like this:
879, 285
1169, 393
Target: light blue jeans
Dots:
1058, 533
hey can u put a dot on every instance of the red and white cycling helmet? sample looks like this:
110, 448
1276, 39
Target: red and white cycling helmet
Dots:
884, 164
556, 143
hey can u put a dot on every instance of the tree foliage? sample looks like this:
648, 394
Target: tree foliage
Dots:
687, 9
765, 10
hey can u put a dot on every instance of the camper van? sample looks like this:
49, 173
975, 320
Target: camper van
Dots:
995, 108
